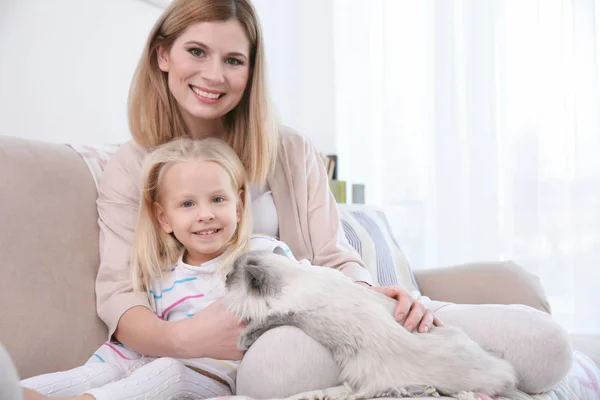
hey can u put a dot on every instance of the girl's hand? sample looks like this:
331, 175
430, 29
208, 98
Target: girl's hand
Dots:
212, 332
411, 313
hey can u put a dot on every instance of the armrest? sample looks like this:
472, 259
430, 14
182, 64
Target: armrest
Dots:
483, 283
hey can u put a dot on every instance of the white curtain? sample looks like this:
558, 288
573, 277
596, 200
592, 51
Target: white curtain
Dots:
476, 126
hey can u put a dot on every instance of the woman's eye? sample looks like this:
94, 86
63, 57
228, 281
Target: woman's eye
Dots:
187, 204
218, 199
196, 52
233, 61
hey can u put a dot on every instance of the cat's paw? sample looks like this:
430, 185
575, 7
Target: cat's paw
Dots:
248, 338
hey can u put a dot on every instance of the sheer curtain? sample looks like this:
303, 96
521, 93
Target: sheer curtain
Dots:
476, 125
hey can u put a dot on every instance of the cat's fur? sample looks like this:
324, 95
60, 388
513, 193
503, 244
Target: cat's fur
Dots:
374, 352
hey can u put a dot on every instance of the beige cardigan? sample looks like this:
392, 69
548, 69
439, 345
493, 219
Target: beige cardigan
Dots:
308, 220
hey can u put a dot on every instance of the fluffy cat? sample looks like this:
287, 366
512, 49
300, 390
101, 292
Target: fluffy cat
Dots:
376, 355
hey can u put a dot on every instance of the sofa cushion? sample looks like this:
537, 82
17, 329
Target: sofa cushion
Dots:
96, 157
368, 231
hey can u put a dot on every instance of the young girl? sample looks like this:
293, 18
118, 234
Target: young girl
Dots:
193, 220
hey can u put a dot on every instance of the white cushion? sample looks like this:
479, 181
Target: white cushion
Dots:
368, 231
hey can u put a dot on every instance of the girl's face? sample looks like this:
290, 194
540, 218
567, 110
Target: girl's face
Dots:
200, 206
208, 67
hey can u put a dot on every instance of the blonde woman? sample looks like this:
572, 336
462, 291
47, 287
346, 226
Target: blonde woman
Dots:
202, 74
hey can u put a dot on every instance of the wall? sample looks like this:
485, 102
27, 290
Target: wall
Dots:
66, 65
299, 44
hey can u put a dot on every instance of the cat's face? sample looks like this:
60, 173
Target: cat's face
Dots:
261, 284
256, 274
257, 282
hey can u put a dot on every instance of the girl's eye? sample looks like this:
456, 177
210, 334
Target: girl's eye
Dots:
218, 199
233, 61
187, 204
196, 52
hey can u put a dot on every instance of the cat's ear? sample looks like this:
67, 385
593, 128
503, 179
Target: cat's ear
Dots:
256, 277
260, 279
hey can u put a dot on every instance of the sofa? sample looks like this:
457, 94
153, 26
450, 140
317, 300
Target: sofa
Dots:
49, 258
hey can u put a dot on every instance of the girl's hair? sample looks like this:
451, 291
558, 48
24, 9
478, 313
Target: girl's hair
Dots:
154, 117
154, 250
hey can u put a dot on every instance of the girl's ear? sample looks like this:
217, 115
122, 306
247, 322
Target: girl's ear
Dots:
162, 55
240, 204
161, 217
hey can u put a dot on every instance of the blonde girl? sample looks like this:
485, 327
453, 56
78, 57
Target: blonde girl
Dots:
193, 220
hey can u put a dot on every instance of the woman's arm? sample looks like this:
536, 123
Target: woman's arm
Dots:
128, 315
331, 248
118, 204
329, 244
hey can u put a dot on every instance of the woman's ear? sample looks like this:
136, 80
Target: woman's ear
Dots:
162, 55
161, 217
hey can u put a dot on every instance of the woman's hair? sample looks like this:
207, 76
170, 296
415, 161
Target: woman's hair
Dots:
154, 250
154, 117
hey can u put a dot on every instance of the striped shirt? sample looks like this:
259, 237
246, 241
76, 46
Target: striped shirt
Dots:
187, 289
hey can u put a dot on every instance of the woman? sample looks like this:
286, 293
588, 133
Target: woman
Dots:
202, 74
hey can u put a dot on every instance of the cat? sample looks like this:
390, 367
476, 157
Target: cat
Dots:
376, 355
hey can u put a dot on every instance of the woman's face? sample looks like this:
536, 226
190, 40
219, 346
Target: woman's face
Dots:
208, 68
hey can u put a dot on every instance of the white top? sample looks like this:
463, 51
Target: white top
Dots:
187, 289
264, 213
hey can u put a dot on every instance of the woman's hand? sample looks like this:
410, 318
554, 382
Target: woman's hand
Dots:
411, 313
212, 332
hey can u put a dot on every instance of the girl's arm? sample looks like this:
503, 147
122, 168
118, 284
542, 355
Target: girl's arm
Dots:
118, 204
212, 332
130, 331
